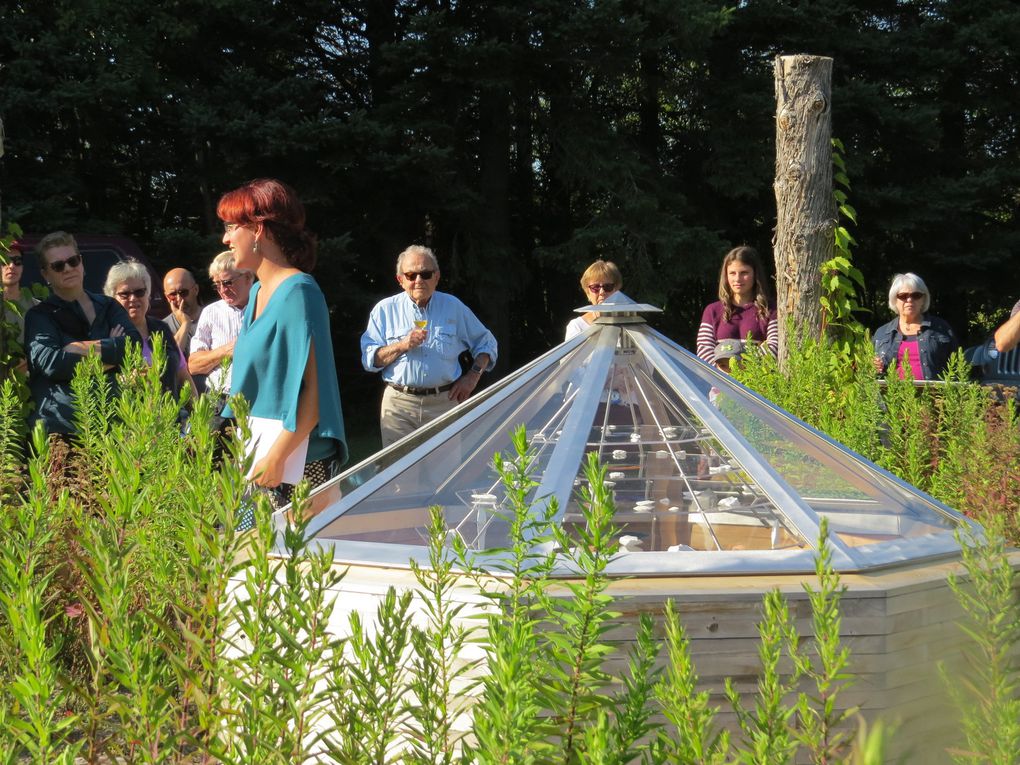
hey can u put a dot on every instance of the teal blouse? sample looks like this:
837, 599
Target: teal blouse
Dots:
270, 359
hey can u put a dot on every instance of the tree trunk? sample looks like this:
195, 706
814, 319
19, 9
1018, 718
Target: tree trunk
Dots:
805, 209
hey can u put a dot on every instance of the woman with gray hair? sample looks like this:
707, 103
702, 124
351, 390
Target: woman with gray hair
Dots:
128, 282
914, 339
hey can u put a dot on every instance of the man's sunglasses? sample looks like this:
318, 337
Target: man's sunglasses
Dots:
226, 284
902, 296
57, 266
179, 293
14, 260
138, 293
601, 287
412, 275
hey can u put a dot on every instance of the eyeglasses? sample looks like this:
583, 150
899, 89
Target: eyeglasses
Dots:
179, 293
229, 228
426, 275
225, 284
601, 287
57, 266
14, 260
904, 296
138, 293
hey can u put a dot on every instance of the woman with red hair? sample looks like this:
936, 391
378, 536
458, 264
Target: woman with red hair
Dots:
283, 360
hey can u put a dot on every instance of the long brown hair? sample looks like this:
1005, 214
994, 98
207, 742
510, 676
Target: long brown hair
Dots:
749, 257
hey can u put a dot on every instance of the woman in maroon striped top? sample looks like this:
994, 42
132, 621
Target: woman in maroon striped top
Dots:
743, 309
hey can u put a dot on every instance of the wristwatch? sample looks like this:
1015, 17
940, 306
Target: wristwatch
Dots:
477, 369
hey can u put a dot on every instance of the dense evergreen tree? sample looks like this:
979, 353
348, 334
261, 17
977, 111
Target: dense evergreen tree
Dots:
521, 140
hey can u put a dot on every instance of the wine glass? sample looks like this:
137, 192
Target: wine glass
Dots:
420, 323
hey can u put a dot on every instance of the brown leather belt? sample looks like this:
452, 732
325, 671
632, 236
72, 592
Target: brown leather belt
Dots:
410, 389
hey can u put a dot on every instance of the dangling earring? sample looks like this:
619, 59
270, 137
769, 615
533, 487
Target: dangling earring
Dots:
255, 249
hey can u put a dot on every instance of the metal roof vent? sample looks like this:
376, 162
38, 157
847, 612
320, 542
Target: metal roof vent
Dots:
619, 309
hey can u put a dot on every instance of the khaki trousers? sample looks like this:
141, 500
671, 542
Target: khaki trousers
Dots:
403, 413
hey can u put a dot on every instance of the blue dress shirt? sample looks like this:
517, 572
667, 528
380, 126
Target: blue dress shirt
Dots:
452, 329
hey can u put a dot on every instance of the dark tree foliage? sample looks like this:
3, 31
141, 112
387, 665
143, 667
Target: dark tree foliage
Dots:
520, 140
925, 99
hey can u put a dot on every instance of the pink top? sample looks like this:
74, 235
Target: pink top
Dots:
910, 349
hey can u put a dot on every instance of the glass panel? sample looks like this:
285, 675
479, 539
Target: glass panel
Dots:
862, 505
675, 485
458, 475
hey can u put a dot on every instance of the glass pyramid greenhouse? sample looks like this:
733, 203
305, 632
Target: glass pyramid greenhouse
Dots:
707, 476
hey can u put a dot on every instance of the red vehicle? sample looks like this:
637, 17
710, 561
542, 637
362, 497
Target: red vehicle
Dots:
98, 253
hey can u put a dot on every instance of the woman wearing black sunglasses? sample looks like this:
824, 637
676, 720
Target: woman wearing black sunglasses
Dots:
12, 270
599, 280
915, 339
129, 283
68, 325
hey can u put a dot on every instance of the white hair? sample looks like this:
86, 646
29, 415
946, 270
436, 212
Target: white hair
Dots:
913, 283
124, 270
417, 249
225, 262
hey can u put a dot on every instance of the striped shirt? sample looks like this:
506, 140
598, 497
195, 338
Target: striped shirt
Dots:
744, 321
218, 325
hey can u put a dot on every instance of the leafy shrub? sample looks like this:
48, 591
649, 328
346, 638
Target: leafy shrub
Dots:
954, 439
136, 624
988, 694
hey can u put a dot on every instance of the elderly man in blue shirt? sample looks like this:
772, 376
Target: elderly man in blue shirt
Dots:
415, 339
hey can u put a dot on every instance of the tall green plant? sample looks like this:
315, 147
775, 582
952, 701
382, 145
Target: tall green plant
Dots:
12, 451
962, 435
507, 720
544, 693
694, 738
840, 277
767, 732
371, 712
785, 721
33, 698
126, 555
988, 693
210, 557
131, 682
822, 729
441, 677
279, 667
136, 582
819, 386
576, 644
632, 706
